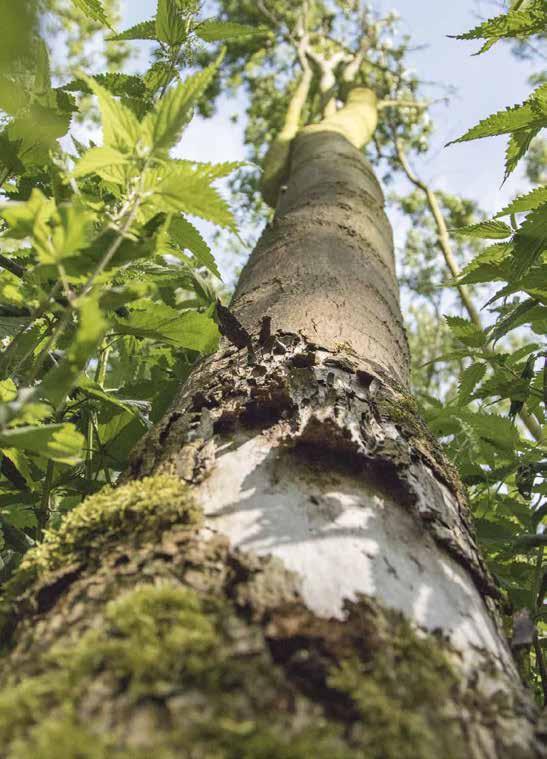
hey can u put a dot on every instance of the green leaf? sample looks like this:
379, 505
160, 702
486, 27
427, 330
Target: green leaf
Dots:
91, 329
128, 85
496, 430
486, 230
185, 235
491, 264
121, 128
30, 217
466, 331
213, 30
530, 241
529, 115
12, 97
528, 202
495, 532
71, 232
469, 379
158, 76
188, 189
99, 161
526, 543
91, 388
517, 147
515, 318
8, 391
210, 171
174, 110
516, 23
9, 155
146, 30
170, 28
22, 464
22, 517
162, 323
58, 442
94, 10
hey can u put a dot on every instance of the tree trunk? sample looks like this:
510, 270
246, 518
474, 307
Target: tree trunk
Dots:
289, 569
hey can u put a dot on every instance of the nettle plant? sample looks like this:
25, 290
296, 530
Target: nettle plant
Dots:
107, 289
495, 426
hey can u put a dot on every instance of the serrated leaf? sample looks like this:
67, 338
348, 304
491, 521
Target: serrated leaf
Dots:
530, 241
188, 190
29, 218
486, 230
469, 379
213, 30
160, 322
517, 147
174, 110
99, 161
466, 331
515, 23
121, 128
146, 30
515, 318
58, 442
71, 233
94, 10
169, 26
91, 328
209, 171
496, 430
490, 265
529, 115
129, 85
185, 235
528, 202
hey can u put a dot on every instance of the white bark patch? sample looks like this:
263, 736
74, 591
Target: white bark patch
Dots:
344, 537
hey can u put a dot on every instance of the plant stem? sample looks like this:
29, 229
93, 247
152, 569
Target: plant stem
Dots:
44, 510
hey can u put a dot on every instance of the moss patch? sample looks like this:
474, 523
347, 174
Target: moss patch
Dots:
402, 698
160, 644
167, 670
138, 510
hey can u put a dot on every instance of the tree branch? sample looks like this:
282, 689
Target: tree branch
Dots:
419, 105
446, 249
12, 266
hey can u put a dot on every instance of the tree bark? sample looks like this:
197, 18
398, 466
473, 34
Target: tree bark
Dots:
289, 569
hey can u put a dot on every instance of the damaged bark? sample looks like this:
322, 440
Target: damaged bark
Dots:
289, 569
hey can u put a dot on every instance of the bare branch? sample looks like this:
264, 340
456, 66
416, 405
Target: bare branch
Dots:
418, 105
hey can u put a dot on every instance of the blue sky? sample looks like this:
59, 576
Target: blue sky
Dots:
483, 85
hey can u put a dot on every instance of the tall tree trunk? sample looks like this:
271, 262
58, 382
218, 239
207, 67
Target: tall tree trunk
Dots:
289, 569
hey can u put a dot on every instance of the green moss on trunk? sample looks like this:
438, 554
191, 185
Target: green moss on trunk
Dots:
162, 643
170, 645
